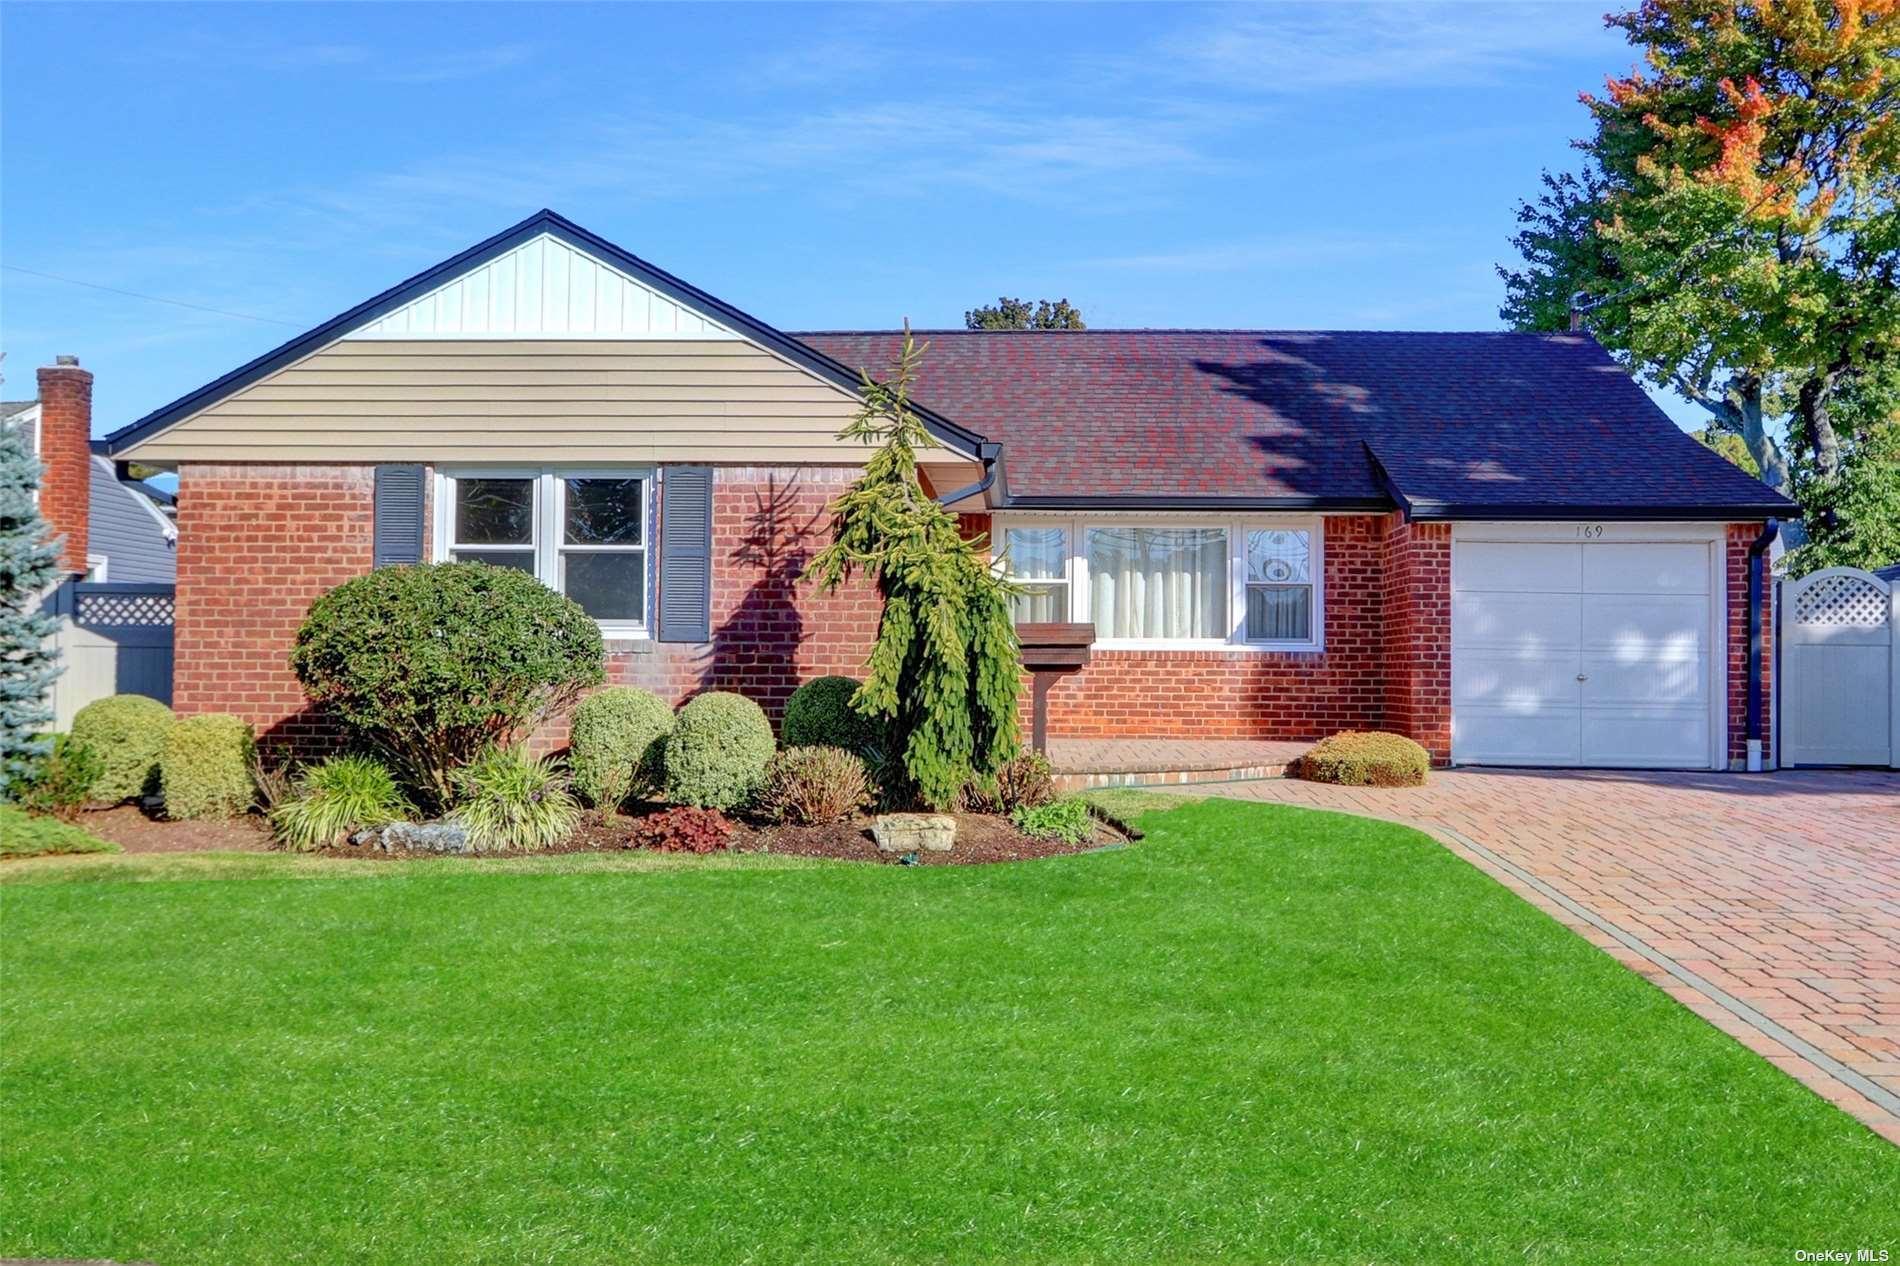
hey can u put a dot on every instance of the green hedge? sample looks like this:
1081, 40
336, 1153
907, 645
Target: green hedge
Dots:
1366, 758
819, 714
718, 751
615, 742
205, 771
128, 732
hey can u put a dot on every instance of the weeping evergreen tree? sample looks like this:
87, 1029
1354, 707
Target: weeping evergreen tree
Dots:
29, 662
942, 679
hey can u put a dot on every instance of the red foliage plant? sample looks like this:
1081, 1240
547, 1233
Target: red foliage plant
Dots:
682, 830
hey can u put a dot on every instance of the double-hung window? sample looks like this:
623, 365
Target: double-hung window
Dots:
582, 532
1158, 584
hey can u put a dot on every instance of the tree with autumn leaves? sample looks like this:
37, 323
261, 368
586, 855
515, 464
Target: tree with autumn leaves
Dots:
1732, 233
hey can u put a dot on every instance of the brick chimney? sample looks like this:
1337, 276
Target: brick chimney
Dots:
66, 452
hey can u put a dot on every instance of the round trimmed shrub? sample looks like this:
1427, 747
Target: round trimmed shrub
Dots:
1366, 758
612, 743
819, 714
433, 665
205, 769
128, 732
718, 750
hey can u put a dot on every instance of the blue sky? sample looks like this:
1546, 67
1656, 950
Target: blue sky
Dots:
1346, 166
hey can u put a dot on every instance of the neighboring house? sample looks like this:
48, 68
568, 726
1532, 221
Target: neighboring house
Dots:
1492, 542
114, 529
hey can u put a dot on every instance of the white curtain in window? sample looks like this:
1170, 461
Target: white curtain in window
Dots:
1032, 554
1158, 582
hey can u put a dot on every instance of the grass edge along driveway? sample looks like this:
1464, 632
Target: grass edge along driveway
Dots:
1263, 1034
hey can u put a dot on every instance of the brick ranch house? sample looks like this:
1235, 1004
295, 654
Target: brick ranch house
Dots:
1492, 542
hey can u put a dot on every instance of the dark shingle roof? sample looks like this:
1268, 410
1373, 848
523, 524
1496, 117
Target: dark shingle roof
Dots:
1491, 420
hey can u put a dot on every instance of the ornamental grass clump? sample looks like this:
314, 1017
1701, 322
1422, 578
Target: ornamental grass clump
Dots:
615, 742
941, 682
510, 802
718, 751
806, 786
205, 769
1025, 781
330, 802
431, 665
128, 732
1366, 758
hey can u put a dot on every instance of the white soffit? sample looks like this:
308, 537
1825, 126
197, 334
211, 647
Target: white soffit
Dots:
543, 288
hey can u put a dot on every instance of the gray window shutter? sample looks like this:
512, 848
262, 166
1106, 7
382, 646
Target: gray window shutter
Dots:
686, 554
398, 515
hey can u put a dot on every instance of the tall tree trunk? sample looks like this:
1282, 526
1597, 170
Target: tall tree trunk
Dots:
1743, 396
1814, 417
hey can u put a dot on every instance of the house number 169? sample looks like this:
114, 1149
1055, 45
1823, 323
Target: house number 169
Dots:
1589, 531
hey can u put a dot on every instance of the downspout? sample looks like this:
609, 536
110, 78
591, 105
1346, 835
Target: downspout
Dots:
981, 486
1756, 589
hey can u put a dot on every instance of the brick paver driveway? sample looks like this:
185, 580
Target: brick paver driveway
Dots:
1768, 903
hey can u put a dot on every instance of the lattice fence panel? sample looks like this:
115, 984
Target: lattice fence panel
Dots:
1842, 600
119, 610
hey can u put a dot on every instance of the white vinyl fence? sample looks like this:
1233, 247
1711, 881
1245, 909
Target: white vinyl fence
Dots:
1840, 669
114, 639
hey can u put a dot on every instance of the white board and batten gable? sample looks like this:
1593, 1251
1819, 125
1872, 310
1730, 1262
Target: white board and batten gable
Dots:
544, 288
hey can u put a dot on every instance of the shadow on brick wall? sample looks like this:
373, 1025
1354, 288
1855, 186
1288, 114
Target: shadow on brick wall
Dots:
755, 646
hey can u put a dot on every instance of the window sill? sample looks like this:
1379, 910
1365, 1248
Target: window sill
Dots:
1166, 645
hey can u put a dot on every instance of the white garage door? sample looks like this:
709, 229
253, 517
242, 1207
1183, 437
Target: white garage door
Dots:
1592, 654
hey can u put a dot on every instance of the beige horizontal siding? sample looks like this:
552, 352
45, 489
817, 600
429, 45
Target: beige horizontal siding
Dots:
511, 400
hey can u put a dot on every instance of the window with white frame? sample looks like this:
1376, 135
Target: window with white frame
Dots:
1037, 558
582, 532
1160, 584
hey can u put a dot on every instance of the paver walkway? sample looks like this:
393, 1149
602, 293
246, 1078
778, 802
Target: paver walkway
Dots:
1767, 903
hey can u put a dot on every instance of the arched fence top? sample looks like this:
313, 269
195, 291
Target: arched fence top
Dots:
1839, 596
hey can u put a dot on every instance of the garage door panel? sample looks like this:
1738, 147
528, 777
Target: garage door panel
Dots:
1612, 681
1501, 736
1635, 737
1646, 568
1520, 568
1516, 623
1523, 683
1637, 626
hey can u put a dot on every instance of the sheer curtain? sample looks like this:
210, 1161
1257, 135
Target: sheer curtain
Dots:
1158, 582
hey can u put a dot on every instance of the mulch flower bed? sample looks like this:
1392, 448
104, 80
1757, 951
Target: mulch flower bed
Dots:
981, 838
137, 831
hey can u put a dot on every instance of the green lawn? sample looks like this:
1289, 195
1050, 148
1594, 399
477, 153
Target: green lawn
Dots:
1261, 1035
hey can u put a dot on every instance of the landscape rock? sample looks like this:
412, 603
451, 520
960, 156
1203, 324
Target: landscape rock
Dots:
416, 837
914, 832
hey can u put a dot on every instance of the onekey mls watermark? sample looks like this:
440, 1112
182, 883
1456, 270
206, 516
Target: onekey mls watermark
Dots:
1842, 1255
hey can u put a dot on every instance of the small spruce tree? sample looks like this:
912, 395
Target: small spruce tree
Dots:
942, 679
29, 564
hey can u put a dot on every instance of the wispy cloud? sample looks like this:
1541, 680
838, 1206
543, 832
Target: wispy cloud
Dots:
1286, 48
357, 61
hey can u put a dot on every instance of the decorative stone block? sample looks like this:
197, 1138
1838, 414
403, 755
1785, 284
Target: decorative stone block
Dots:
914, 832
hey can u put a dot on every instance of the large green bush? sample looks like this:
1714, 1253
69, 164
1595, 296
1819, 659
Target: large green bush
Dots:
613, 743
24, 835
128, 732
1368, 758
205, 770
717, 754
432, 665
819, 714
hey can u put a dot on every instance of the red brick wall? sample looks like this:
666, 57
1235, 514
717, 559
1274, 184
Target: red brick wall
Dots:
66, 451
1415, 589
256, 545
1740, 537
259, 543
